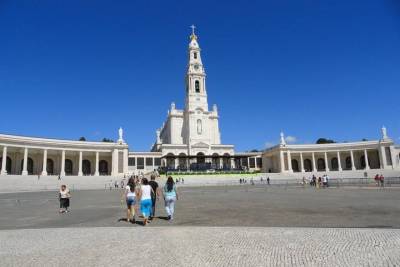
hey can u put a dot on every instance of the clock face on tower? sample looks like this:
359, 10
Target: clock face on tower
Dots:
196, 67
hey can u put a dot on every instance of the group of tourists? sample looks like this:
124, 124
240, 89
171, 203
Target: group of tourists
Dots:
318, 182
147, 193
138, 193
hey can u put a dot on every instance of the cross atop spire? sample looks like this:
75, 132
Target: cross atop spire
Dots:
193, 27
193, 35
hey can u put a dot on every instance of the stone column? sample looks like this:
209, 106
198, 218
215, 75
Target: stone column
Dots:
383, 159
248, 162
25, 165
96, 171
339, 162
176, 163
366, 159
44, 169
289, 160
115, 162
353, 166
393, 156
326, 162
62, 171
4, 162
233, 163
125, 161
301, 162
313, 162
80, 164
282, 161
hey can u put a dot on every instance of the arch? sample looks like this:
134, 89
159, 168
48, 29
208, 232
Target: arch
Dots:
334, 164
348, 163
50, 167
29, 166
182, 161
103, 167
362, 162
226, 161
201, 158
307, 165
8, 164
215, 161
86, 168
68, 167
170, 161
295, 165
197, 86
321, 165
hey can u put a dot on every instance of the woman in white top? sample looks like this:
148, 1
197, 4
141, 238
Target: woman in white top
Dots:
145, 200
130, 197
64, 197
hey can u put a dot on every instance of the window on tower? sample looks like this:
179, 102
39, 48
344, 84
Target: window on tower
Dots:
197, 86
195, 55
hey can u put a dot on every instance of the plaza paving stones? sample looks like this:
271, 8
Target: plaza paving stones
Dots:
213, 226
200, 246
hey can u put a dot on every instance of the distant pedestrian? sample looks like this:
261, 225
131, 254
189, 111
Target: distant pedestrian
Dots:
377, 179
59, 177
325, 181
64, 196
382, 180
170, 197
155, 195
268, 180
145, 200
115, 184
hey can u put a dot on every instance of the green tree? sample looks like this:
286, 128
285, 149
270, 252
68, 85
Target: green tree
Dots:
82, 138
106, 140
324, 141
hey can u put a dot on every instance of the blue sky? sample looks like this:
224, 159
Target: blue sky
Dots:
310, 68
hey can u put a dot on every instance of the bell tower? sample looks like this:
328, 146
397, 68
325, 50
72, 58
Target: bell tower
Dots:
196, 93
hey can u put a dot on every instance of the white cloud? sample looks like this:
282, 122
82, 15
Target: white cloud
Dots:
290, 139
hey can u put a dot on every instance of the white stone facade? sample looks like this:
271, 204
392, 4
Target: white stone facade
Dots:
190, 139
42, 156
335, 157
192, 135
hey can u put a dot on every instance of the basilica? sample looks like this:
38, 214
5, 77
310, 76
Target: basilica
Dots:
190, 141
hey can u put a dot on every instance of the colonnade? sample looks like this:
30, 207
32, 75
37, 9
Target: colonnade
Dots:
114, 153
383, 163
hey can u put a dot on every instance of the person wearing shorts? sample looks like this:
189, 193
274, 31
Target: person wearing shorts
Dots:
130, 198
64, 196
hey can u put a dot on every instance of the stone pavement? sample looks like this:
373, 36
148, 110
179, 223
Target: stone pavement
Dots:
214, 206
200, 246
